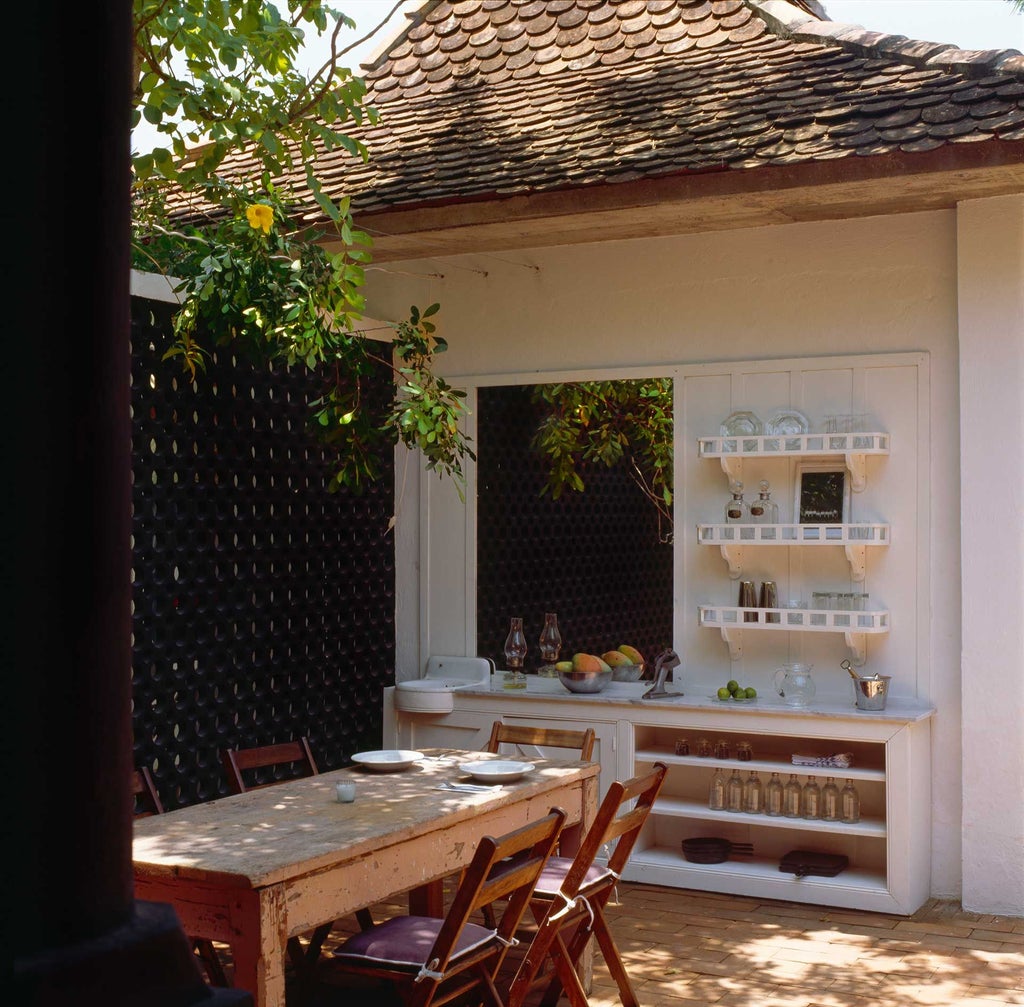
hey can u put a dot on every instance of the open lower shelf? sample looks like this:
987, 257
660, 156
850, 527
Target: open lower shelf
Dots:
662, 865
678, 808
759, 766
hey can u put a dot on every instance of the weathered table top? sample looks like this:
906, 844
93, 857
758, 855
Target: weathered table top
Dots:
256, 868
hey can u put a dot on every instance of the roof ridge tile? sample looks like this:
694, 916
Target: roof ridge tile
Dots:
790, 21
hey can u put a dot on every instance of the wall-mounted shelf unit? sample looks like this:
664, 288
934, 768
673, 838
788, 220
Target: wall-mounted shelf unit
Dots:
853, 448
732, 621
854, 538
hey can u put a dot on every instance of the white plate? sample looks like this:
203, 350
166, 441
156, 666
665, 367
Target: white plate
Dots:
786, 421
497, 770
387, 761
743, 422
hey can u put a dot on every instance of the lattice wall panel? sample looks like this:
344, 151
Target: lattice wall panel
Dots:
263, 606
594, 558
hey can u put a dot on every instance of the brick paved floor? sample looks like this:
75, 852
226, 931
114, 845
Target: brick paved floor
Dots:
685, 948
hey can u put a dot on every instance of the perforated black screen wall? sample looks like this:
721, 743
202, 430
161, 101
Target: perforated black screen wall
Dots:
264, 607
594, 558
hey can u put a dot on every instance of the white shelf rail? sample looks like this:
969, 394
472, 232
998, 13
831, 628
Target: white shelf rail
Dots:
855, 538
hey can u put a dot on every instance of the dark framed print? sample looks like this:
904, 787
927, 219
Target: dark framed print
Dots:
822, 493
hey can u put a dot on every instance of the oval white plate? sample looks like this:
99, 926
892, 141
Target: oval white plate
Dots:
497, 771
387, 761
787, 421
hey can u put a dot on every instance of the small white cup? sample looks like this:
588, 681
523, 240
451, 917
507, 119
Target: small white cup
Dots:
346, 792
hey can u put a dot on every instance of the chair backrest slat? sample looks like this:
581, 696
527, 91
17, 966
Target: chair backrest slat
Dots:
542, 737
296, 753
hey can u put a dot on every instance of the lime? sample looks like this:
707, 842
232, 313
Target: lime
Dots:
732, 685
724, 693
750, 692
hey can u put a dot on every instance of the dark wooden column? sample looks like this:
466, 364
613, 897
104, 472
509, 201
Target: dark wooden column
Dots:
78, 935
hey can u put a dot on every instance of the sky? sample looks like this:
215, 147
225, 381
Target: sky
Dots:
970, 24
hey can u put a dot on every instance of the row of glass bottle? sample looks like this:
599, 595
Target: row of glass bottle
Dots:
792, 800
763, 510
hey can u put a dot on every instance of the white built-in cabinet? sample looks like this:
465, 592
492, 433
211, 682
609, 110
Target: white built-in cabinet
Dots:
889, 863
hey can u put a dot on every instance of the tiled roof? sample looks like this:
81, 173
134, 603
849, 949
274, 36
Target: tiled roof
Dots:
485, 99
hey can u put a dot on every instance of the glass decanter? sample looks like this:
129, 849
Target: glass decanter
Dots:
515, 653
792, 798
773, 797
764, 510
849, 802
737, 510
812, 798
753, 794
550, 645
734, 792
830, 800
716, 793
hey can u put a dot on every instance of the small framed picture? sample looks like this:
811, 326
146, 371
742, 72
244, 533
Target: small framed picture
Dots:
822, 493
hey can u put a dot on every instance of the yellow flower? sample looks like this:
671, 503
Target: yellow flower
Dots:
260, 216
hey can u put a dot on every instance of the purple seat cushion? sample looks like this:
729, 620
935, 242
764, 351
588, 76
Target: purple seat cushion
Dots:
404, 942
554, 872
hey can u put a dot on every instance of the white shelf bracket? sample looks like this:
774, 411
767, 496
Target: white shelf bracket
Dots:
856, 555
857, 464
734, 638
732, 467
733, 556
855, 641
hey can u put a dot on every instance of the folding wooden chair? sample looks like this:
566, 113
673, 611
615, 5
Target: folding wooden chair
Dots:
433, 961
581, 742
147, 802
578, 743
570, 897
295, 759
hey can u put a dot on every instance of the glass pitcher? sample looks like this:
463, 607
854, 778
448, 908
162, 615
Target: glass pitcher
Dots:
794, 684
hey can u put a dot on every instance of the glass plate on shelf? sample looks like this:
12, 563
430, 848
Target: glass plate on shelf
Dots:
785, 422
741, 423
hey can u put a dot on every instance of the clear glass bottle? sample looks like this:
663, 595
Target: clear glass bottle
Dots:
515, 653
764, 510
812, 798
550, 645
849, 803
753, 794
773, 797
716, 794
737, 510
792, 798
830, 800
734, 792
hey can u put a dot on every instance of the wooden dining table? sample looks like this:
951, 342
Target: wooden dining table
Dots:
254, 869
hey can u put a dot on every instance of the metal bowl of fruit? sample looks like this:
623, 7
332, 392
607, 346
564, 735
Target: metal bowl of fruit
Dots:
585, 681
627, 663
628, 672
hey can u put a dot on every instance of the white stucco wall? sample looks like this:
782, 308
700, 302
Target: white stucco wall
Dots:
875, 285
990, 250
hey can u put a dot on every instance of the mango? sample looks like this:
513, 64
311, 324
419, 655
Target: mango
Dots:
605, 666
635, 657
615, 658
563, 666
587, 662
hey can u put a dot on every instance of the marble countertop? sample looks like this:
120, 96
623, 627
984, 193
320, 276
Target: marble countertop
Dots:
550, 690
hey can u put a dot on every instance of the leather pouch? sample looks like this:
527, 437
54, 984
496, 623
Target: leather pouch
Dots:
804, 863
